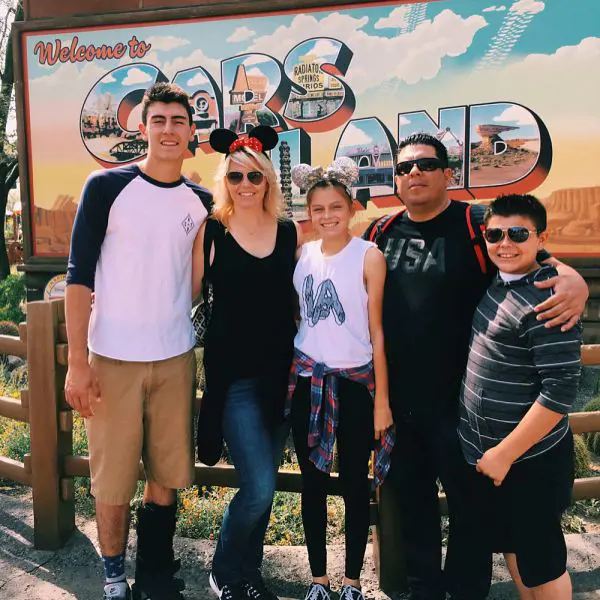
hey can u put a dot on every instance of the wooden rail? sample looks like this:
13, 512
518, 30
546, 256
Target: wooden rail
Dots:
51, 467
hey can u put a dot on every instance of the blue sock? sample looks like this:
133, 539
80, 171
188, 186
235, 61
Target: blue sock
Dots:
114, 568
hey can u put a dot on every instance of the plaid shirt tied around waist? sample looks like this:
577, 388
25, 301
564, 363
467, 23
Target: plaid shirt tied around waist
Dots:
324, 411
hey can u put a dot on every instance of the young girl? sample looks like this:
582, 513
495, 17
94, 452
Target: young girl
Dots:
338, 357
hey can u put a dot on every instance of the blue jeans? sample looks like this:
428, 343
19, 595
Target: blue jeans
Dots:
256, 453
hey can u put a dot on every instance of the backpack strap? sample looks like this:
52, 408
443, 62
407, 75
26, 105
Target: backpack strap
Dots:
476, 227
380, 225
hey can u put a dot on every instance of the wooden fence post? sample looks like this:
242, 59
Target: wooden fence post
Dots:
387, 542
53, 506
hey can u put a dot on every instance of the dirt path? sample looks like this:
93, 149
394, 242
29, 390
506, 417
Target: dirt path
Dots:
75, 571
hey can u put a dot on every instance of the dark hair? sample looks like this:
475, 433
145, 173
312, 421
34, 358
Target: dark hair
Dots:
424, 139
167, 93
328, 183
524, 205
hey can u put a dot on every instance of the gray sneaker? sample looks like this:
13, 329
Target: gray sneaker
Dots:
117, 591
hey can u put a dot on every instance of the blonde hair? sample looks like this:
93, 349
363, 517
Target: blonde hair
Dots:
223, 204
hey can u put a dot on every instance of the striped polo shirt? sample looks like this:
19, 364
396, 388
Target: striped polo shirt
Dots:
514, 361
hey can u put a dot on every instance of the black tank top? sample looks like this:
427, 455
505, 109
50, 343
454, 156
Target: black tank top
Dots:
252, 327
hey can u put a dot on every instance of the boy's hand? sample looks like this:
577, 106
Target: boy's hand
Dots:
81, 386
382, 417
495, 465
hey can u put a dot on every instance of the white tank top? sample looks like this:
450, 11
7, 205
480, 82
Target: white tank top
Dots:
334, 329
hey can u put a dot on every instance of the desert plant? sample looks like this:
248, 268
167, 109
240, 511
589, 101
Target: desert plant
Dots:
592, 438
581, 456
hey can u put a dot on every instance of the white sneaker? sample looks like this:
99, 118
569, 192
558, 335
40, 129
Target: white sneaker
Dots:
117, 591
227, 592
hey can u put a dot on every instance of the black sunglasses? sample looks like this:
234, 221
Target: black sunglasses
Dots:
423, 164
254, 177
518, 235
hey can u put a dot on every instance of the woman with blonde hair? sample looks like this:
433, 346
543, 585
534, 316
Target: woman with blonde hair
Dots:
248, 345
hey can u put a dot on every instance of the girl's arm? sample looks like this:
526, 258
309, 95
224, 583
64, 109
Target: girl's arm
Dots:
374, 274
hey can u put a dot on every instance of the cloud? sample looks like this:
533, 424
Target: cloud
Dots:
195, 59
557, 74
495, 8
198, 79
256, 60
516, 114
109, 79
527, 7
166, 42
417, 55
241, 34
256, 72
403, 120
136, 76
397, 19
325, 48
354, 136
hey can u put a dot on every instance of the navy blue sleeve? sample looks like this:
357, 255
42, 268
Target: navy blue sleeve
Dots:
91, 221
88, 233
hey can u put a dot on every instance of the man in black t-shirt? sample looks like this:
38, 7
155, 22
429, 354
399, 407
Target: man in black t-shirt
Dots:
435, 280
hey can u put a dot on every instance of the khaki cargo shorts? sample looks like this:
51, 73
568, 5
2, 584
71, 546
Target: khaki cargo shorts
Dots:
145, 411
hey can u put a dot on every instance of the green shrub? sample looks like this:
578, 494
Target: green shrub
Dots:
9, 328
12, 294
581, 457
201, 511
14, 439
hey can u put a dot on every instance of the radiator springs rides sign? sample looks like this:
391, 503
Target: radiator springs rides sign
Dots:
506, 88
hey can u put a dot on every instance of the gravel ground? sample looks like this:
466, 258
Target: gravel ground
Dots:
75, 571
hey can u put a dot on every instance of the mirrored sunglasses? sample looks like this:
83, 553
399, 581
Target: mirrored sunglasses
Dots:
254, 177
518, 235
423, 164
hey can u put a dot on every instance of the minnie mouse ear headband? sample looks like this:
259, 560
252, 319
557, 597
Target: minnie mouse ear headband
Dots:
342, 170
260, 139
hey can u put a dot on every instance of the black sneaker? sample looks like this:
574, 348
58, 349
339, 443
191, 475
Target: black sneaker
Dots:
117, 591
227, 592
318, 591
158, 585
349, 592
257, 590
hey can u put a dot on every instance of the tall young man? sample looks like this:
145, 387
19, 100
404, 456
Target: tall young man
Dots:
434, 283
132, 247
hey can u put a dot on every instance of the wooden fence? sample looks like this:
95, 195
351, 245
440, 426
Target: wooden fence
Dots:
50, 467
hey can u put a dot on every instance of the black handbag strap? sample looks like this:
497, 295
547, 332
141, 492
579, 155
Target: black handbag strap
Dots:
213, 230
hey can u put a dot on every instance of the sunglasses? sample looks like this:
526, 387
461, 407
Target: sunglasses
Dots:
423, 164
254, 177
518, 235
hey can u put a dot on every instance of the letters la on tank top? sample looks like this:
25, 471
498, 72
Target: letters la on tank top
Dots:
333, 304
252, 326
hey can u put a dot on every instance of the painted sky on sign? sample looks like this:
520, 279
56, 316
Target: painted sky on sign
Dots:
535, 26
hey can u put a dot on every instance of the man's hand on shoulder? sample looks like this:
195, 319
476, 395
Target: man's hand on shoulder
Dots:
567, 303
81, 388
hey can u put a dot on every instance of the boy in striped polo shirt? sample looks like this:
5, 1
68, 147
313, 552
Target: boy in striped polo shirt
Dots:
520, 382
